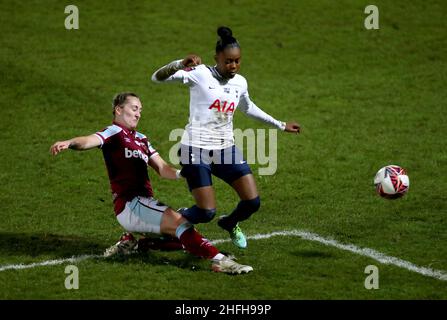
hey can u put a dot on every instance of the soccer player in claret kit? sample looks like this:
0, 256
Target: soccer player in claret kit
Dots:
207, 145
127, 153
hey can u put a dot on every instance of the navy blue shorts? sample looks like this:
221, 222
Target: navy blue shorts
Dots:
198, 165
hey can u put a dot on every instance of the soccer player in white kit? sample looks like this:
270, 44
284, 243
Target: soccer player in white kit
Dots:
207, 145
127, 154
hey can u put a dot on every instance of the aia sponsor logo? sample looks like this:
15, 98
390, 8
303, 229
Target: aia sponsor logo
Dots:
223, 106
135, 154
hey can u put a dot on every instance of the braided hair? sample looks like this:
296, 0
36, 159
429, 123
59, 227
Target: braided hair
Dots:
226, 39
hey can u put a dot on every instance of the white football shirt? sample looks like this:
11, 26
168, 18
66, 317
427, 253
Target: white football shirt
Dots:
213, 101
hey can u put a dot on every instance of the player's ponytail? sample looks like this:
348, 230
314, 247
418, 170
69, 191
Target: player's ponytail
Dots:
226, 39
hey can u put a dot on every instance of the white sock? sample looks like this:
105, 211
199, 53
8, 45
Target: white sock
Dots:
218, 257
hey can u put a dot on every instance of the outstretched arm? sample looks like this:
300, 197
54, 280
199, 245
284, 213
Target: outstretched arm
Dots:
163, 169
77, 143
168, 70
250, 109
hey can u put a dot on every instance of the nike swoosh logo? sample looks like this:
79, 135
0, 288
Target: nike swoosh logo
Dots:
211, 88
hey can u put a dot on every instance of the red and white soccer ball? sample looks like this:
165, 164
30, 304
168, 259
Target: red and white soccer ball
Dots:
392, 182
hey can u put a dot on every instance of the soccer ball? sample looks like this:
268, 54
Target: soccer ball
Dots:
392, 182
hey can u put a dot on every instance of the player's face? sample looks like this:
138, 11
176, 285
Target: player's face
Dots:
228, 62
129, 113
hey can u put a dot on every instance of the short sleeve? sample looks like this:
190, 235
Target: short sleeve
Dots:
106, 134
151, 150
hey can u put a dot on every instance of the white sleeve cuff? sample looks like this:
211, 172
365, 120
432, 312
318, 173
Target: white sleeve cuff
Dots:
100, 138
282, 126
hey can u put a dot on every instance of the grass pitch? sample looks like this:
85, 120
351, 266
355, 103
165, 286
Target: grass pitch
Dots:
365, 99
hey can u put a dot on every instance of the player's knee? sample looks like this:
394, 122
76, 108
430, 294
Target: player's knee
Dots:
253, 205
198, 215
208, 215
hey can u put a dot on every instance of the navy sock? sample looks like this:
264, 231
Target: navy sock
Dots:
243, 211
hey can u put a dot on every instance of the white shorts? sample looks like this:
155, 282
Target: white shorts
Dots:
142, 215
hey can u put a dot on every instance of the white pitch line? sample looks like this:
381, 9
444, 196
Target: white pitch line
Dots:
366, 252
47, 263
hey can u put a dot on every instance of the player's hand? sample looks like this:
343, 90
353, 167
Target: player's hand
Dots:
192, 60
59, 146
293, 127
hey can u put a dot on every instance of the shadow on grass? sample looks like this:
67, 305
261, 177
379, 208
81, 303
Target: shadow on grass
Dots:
66, 246
178, 259
13, 244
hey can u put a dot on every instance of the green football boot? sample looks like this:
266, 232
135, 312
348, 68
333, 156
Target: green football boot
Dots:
236, 234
